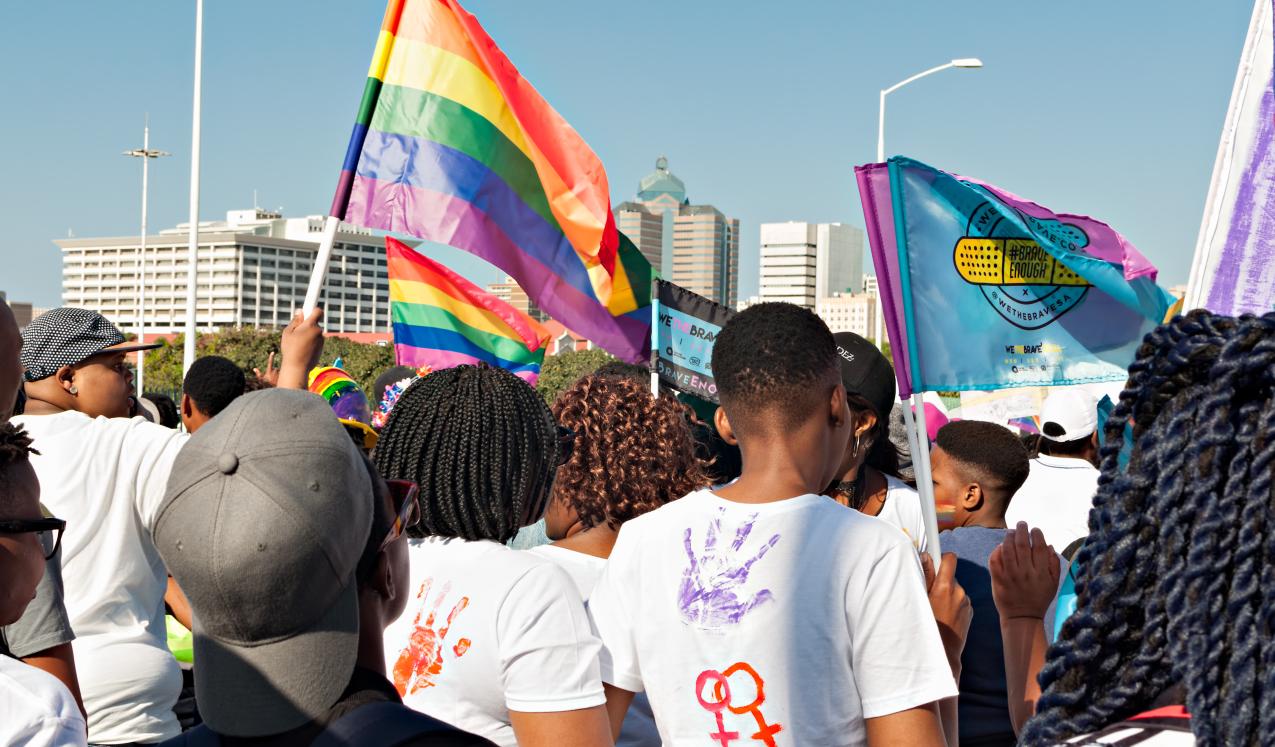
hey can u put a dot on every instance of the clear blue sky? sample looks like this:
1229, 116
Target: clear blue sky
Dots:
1092, 106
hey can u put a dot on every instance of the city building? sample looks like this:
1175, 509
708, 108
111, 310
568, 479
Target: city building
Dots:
870, 284
847, 312
802, 263
23, 312
698, 245
645, 228
253, 269
706, 253
511, 293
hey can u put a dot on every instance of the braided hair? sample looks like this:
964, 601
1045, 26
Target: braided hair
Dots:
15, 448
481, 445
1176, 583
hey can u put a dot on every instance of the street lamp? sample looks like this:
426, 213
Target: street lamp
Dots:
963, 62
146, 154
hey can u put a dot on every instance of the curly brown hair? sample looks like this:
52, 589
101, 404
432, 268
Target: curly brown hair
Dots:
631, 453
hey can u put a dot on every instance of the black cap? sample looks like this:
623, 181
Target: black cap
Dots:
865, 371
66, 336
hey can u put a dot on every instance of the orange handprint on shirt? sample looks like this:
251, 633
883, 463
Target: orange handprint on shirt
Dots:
421, 661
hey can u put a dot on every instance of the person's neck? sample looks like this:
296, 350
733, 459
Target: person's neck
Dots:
40, 407
989, 521
776, 470
597, 541
371, 637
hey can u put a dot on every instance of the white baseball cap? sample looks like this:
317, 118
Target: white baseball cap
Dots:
1068, 415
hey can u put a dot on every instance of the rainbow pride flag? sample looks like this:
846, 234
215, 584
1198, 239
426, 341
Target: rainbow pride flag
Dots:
451, 144
441, 320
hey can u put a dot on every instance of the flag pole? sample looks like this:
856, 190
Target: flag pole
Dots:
655, 344
192, 251
921, 470
320, 265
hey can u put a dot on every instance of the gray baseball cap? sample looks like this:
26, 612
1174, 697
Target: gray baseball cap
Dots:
267, 512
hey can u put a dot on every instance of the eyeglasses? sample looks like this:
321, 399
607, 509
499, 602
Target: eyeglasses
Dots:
403, 493
47, 529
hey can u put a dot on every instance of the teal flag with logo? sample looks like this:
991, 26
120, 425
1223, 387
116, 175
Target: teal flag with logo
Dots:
986, 290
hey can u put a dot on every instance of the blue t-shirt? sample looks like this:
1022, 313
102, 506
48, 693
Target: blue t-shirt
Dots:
983, 705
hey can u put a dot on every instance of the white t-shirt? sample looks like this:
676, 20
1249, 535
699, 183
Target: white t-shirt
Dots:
638, 729
106, 477
36, 709
1056, 499
797, 618
490, 629
902, 509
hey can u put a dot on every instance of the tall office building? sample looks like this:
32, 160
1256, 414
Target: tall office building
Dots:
698, 245
511, 293
846, 312
706, 253
253, 269
802, 263
644, 228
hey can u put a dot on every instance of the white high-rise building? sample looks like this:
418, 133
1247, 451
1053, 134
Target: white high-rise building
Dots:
254, 268
845, 312
802, 263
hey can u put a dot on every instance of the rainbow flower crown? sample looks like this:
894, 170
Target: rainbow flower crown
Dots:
392, 393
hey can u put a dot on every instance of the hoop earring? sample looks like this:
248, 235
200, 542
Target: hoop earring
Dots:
855, 453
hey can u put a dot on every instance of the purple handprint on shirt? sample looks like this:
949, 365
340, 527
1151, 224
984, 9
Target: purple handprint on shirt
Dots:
712, 593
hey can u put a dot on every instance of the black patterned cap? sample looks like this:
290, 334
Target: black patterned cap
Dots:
66, 336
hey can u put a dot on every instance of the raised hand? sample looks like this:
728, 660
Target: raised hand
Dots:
1025, 571
271, 375
300, 346
712, 594
420, 663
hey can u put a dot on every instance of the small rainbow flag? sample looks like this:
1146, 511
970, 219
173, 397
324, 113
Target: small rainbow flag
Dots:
442, 320
451, 144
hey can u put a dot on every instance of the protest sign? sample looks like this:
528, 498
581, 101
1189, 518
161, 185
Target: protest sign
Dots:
686, 328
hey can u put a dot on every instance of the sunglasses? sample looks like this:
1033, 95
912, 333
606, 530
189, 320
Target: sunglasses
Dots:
46, 529
403, 494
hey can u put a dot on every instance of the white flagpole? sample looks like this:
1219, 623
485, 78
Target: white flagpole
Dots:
655, 345
192, 253
921, 470
320, 265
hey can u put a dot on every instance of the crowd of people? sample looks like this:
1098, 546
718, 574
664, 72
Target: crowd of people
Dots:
279, 559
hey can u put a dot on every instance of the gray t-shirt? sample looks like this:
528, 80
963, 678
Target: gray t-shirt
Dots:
44, 624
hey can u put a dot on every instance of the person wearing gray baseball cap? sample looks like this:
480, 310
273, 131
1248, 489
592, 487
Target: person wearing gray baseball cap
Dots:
266, 529
106, 474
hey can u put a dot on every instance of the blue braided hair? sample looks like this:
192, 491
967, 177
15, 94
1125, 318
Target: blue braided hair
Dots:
1176, 583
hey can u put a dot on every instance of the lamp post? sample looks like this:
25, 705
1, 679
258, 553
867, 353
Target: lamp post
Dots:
964, 62
192, 250
918, 440
146, 154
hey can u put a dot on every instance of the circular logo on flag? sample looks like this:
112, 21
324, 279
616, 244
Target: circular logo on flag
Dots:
1023, 282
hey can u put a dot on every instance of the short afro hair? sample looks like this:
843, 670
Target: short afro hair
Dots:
213, 383
774, 358
986, 453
